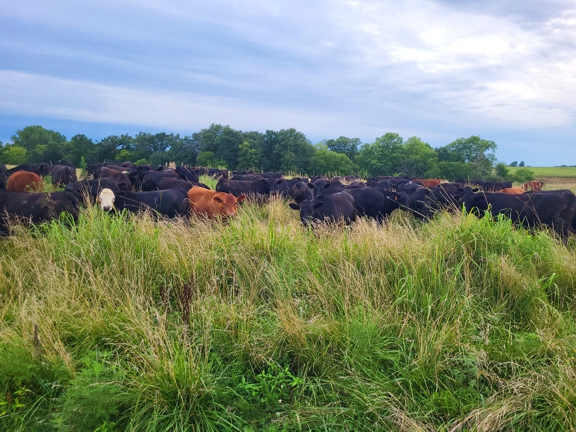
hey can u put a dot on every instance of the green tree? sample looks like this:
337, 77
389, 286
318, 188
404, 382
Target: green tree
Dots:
13, 155
248, 157
32, 136
209, 160
287, 150
521, 164
344, 145
184, 150
81, 146
523, 175
468, 149
502, 170
514, 164
330, 162
419, 159
222, 141
382, 157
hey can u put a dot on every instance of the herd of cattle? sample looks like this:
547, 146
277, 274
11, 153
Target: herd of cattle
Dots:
173, 192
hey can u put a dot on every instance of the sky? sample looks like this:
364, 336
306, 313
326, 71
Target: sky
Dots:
436, 69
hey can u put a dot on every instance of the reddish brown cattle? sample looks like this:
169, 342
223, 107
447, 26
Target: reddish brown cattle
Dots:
25, 181
429, 183
512, 190
532, 185
213, 204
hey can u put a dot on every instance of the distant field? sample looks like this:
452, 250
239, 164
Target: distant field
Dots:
551, 171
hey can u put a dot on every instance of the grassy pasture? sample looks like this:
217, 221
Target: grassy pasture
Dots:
259, 324
550, 172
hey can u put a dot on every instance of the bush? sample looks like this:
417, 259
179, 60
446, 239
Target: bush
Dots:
523, 175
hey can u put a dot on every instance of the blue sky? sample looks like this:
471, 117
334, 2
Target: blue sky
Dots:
440, 70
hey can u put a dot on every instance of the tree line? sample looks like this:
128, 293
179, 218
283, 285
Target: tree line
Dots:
287, 150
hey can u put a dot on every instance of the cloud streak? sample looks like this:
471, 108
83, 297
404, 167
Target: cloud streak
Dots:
436, 69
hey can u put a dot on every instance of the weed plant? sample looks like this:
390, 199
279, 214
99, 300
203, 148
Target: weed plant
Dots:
122, 323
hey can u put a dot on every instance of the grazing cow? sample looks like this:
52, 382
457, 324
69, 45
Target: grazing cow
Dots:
300, 191
25, 181
174, 183
429, 183
213, 204
512, 190
187, 174
257, 188
124, 182
555, 209
170, 203
334, 208
39, 168
151, 179
425, 202
35, 207
532, 185
3, 176
88, 190
374, 203
62, 175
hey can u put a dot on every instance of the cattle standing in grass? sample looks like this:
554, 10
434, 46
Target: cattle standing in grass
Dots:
424, 202
62, 175
300, 191
35, 207
38, 168
170, 203
122, 179
512, 190
256, 188
174, 183
532, 185
213, 204
25, 181
3, 176
335, 207
554, 209
151, 179
88, 190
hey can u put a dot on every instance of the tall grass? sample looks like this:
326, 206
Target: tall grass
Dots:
260, 324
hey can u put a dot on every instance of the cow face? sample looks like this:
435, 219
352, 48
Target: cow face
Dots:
307, 209
106, 199
226, 204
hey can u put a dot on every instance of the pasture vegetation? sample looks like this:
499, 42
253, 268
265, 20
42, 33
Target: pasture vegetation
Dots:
124, 323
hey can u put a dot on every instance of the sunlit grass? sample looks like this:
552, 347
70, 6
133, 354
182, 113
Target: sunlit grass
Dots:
261, 324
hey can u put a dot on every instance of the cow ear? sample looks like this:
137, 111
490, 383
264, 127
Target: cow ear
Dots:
265, 181
294, 206
310, 185
219, 199
395, 197
241, 198
279, 181
327, 185
318, 205
475, 189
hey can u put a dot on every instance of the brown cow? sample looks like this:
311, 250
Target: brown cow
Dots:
213, 204
512, 190
533, 185
25, 181
429, 183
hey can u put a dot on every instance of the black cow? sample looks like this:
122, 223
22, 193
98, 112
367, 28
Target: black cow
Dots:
554, 209
124, 182
300, 191
88, 190
335, 207
257, 188
151, 179
424, 202
39, 168
174, 183
67, 163
246, 177
35, 207
377, 203
170, 203
275, 175
187, 174
62, 175
3, 176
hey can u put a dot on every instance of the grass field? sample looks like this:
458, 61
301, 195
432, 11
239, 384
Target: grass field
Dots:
259, 324
551, 172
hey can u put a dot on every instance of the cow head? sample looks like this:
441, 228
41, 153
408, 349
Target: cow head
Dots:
306, 208
226, 204
106, 199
